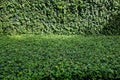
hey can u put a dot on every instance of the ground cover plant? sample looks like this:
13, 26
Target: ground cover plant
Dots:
59, 57
50, 39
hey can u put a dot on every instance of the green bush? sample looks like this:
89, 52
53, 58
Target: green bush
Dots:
59, 57
113, 24
57, 16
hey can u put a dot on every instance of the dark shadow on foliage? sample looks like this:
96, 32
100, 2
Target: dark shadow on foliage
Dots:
113, 26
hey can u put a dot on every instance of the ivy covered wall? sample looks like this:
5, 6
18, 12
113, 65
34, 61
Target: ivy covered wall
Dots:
60, 16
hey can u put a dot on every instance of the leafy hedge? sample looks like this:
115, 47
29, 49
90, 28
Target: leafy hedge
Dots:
56, 57
59, 16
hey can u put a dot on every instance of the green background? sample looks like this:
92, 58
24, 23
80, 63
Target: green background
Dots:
60, 16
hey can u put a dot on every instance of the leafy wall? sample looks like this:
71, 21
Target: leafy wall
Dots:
59, 16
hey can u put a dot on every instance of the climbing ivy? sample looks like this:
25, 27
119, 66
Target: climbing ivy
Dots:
59, 16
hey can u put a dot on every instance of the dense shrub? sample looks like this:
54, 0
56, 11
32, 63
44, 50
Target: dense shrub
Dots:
59, 57
113, 26
57, 16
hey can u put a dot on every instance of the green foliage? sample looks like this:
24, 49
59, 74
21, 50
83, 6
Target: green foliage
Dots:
67, 16
113, 26
55, 57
